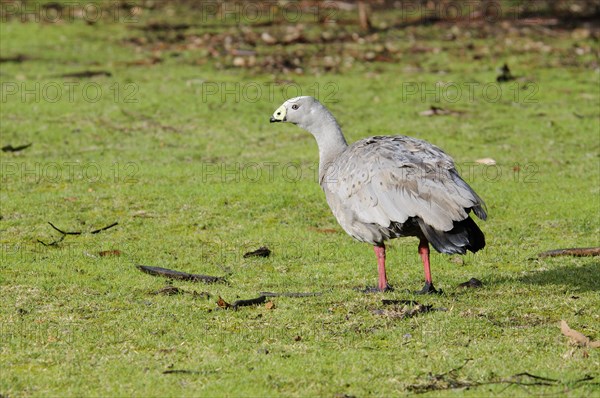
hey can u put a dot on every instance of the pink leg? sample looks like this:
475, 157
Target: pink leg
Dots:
424, 253
380, 253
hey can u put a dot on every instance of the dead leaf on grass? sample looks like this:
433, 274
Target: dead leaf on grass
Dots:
222, 303
269, 305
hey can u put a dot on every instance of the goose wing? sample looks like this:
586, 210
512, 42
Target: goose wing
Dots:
384, 180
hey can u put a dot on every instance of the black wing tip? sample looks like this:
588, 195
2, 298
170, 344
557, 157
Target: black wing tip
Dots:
465, 235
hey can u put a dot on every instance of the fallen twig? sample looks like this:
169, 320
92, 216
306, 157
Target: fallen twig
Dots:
180, 371
285, 294
405, 302
63, 232
449, 380
53, 243
85, 74
169, 273
79, 232
104, 228
527, 374
576, 251
248, 302
240, 303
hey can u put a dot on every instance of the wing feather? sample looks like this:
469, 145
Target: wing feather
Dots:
384, 180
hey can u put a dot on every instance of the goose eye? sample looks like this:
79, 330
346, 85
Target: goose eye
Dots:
295, 106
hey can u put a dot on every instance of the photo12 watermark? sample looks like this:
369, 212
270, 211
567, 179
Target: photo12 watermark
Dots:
293, 172
253, 92
270, 10
68, 91
452, 92
489, 11
70, 11
69, 171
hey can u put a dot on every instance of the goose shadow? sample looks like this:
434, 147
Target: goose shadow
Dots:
583, 277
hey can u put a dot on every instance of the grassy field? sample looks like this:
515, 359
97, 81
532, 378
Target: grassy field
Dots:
169, 137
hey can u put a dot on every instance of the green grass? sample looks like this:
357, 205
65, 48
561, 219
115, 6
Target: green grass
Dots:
195, 182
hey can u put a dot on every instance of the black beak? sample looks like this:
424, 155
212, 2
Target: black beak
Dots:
273, 120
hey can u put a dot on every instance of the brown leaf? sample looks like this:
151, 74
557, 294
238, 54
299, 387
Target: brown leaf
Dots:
269, 305
222, 303
576, 337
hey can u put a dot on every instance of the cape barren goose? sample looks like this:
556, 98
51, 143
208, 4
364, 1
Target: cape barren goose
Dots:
385, 187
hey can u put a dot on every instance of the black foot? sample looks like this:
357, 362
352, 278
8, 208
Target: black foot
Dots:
375, 289
429, 289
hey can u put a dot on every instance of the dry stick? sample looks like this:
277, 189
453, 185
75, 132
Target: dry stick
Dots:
243, 303
63, 232
514, 380
405, 302
534, 377
169, 273
79, 232
180, 371
54, 243
576, 251
104, 228
271, 294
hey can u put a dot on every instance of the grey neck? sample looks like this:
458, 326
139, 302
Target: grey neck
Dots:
330, 140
